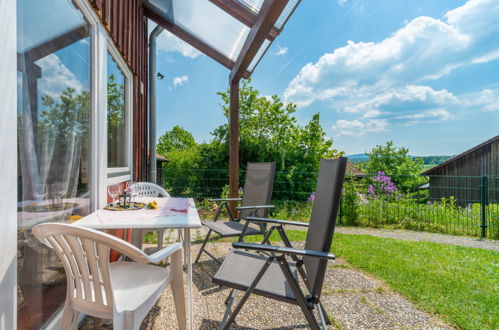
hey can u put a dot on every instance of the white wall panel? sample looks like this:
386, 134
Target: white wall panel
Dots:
8, 165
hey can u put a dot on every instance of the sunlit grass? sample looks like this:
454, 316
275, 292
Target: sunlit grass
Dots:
459, 284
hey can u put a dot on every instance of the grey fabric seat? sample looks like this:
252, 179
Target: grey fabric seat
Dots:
230, 228
273, 283
257, 193
269, 273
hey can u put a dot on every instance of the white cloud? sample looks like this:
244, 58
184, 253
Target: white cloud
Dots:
359, 128
282, 51
167, 42
430, 116
56, 77
179, 81
342, 2
389, 80
487, 100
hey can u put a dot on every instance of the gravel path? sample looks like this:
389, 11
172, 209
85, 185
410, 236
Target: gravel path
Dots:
352, 299
422, 237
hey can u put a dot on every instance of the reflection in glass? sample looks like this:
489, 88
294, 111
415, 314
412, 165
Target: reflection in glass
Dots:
116, 142
53, 144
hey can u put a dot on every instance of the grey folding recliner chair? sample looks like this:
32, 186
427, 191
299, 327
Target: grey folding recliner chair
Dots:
269, 273
257, 193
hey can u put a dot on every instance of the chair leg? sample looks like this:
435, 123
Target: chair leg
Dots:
161, 237
324, 314
248, 292
69, 317
177, 285
295, 287
202, 246
228, 305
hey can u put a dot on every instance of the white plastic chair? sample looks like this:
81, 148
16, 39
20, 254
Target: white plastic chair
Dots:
147, 189
122, 291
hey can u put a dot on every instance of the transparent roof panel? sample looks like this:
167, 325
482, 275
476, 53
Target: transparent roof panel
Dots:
207, 22
259, 55
53, 18
211, 24
255, 5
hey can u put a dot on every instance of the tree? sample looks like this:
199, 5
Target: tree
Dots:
395, 162
176, 139
269, 131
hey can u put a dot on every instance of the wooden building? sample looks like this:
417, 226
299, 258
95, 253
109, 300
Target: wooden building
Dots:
74, 100
463, 176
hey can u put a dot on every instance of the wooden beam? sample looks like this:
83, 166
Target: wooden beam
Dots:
243, 14
234, 144
190, 39
268, 15
56, 44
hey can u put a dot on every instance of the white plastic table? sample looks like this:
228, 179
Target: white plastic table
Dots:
164, 218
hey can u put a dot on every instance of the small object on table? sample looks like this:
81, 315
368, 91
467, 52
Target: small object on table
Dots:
118, 207
124, 200
152, 205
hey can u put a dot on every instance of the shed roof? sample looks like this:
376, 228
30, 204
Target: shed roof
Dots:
454, 158
160, 158
353, 170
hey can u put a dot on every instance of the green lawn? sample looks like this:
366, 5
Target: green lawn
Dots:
459, 284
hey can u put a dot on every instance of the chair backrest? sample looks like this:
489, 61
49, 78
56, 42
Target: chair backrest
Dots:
258, 186
85, 256
147, 189
323, 220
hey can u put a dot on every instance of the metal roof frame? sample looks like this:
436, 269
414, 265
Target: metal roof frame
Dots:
262, 26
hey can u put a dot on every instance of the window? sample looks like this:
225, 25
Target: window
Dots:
54, 120
118, 118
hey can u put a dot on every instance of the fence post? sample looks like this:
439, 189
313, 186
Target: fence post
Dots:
484, 189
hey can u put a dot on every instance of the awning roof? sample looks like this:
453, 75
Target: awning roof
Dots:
235, 33
54, 20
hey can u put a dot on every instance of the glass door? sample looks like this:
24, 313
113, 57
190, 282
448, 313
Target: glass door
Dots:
54, 111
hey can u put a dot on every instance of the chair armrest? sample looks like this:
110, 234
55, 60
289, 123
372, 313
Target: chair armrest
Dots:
240, 208
283, 250
224, 199
164, 253
277, 221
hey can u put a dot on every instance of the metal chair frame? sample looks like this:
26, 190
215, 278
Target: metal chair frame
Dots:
302, 258
251, 209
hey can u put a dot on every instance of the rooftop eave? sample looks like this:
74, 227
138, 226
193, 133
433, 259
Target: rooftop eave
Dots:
266, 19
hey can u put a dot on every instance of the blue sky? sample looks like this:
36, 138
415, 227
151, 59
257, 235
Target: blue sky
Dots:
421, 73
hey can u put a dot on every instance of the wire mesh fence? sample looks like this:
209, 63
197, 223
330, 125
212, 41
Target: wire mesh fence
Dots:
460, 205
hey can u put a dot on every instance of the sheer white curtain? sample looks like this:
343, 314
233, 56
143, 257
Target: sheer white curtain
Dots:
53, 111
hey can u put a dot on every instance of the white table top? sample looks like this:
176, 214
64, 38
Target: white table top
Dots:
188, 219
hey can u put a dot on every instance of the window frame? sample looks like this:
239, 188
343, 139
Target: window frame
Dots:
100, 175
120, 174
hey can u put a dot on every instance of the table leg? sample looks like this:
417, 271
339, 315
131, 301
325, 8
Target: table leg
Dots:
187, 247
137, 238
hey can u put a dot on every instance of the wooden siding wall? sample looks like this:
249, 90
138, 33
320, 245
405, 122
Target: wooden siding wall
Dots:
461, 178
124, 20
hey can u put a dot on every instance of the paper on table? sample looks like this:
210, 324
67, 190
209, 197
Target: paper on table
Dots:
167, 207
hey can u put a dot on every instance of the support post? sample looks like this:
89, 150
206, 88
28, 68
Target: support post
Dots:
234, 144
484, 189
152, 104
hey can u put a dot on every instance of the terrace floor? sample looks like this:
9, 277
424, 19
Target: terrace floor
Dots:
352, 299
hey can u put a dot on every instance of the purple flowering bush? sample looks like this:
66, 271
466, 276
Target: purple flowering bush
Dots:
382, 187
311, 198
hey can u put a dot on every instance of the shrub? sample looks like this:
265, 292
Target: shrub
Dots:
350, 205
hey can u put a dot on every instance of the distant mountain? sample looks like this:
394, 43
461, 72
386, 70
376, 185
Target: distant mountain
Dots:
358, 158
427, 160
